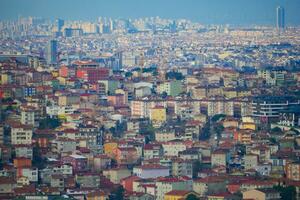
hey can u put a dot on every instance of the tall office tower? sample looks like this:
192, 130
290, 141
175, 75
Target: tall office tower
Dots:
52, 52
111, 25
59, 24
280, 18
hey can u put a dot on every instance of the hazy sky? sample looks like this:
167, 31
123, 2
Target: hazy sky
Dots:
239, 12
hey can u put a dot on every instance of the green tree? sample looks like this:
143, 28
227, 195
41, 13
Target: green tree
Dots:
128, 74
192, 197
117, 194
217, 117
164, 95
205, 131
174, 75
218, 128
148, 131
37, 159
49, 123
286, 193
197, 166
276, 130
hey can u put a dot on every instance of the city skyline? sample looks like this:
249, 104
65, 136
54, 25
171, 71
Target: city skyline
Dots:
149, 99
207, 12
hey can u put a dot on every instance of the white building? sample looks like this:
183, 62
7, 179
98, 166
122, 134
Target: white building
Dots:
151, 171
21, 134
165, 185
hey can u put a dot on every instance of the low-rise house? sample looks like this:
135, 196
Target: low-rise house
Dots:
250, 161
181, 167
115, 175
256, 184
97, 195
264, 169
220, 158
24, 151
7, 185
180, 194
164, 136
101, 162
209, 185
172, 148
153, 151
167, 184
30, 173
151, 171
88, 180
22, 162
21, 134
64, 145
192, 154
140, 196
292, 171
78, 162
126, 155
262, 194
263, 153
127, 182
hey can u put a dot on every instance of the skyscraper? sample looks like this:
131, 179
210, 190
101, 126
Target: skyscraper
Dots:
52, 52
280, 18
60, 23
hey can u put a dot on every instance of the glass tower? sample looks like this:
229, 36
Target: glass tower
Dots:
52, 52
280, 18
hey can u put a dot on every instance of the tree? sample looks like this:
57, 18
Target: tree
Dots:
164, 95
117, 194
286, 193
128, 74
219, 128
49, 123
205, 132
197, 166
192, 197
174, 75
217, 117
37, 159
276, 130
120, 128
148, 131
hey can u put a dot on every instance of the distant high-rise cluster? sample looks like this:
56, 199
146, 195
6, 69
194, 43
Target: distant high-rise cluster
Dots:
280, 18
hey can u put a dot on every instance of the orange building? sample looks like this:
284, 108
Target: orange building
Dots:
22, 162
242, 136
97, 195
292, 171
116, 100
43, 137
110, 148
63, 71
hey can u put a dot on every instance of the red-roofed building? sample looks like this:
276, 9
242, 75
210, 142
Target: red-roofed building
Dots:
127, 182
153, 151
92, 74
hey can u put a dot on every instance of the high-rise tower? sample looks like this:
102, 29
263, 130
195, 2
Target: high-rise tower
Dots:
280, 18
60, 23
52, 52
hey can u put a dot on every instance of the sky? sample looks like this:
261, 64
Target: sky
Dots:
235, 12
